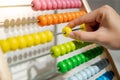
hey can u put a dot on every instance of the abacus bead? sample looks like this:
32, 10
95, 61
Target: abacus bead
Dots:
73, 15
66, 30
43, 4
49, 4
88, 72
68, 63
22, 42
74, 61
36, 38
76, 4
13, 43
71, 3
67, 3
72, 45
82, 58
59, 4
78, 59
64, 5
69, 16
96, 69
54, 4
42, 20
65, 18
62, 67
29, 39
79, 77
83, 74
79, 3
62, 49
55, 51
49, 35
83, 27
60, 18
43, 37
5, 45
55, 19
92, 70
68, 48
49, 19
73, 78
36, 5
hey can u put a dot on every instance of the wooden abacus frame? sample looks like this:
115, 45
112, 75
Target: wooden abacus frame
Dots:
87, 8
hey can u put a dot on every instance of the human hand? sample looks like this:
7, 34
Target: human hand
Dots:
102, 27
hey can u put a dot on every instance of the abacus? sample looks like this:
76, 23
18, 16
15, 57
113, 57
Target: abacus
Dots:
35, 43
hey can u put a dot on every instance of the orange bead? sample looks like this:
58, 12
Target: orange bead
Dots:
65, 18
60, 18
55, 19
42, 20
69, 16
49, 19
77, 14
73, 15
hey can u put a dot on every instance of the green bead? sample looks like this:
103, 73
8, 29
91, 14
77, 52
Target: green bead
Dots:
72, 45
68, 63
68, 48
78, 59
73, 61
55, 51
82, 57
62, 49
62, 67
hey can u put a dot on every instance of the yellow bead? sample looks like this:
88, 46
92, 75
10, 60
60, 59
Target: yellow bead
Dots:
36, 38
22, 42
29, 39
66, 30
82, 26
43, 37
14, 44
55, 51
49, 35
4, 44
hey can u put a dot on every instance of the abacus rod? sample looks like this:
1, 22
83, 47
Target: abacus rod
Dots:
22, 5
72, 30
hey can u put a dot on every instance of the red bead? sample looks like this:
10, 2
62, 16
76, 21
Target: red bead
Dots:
54, 4
59, 4
64, 5
36, 5
43, 4
49, 4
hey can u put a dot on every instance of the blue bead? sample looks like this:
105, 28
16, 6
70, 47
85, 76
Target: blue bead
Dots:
73, 78
88, 72
105, 78
79, 77
99, 78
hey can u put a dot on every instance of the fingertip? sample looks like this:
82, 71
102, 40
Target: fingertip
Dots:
71, 35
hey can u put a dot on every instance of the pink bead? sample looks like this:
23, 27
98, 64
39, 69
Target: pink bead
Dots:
36, 5
49, 4
43, 4
68, 3
59, 4
79, 3
64, 4
54, 4
71, 4
76, 3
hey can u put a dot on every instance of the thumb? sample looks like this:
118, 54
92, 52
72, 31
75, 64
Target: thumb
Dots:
84, 36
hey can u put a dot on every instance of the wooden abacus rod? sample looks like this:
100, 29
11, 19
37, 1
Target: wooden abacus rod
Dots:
23, 5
